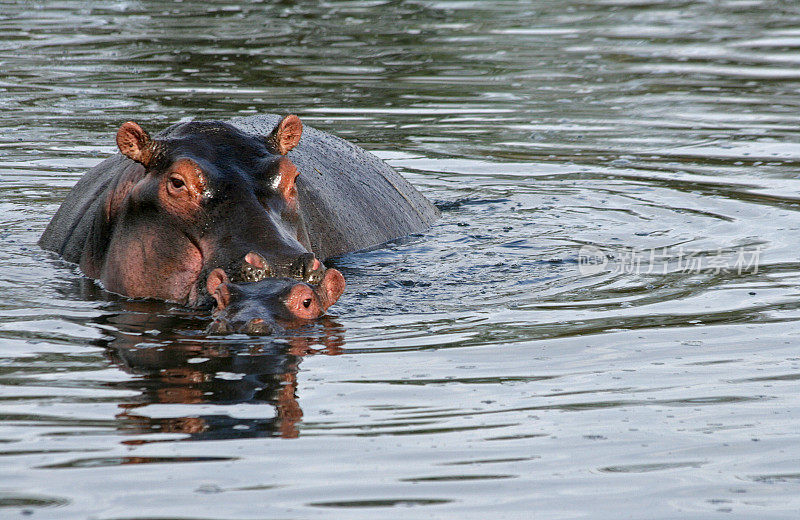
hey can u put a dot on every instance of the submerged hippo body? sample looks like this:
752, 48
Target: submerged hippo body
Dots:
257, 195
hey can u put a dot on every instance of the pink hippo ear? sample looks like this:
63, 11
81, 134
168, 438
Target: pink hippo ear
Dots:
286, 135
217, 285
135, 143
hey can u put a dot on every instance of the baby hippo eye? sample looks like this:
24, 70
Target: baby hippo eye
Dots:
177, 182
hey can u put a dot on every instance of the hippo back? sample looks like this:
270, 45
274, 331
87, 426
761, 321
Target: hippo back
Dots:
350, 199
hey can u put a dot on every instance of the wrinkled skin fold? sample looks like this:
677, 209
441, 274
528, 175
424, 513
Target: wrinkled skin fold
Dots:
201, 210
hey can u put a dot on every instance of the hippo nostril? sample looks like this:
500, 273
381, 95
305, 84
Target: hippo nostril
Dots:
303, 267
258, 326
255, 259
310, 269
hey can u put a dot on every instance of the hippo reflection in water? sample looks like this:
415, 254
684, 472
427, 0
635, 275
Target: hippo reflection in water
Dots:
178, 366
238, 215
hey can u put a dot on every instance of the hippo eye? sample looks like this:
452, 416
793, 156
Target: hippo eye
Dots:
307, 303
177, 182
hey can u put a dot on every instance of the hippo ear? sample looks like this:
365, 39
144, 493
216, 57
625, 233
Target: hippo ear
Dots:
286, 135
217, 285
135, 143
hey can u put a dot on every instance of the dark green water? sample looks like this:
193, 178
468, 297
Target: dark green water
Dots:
604, 324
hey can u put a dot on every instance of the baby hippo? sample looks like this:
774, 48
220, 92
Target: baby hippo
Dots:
269, 305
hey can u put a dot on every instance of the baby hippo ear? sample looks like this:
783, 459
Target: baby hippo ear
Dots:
286, 135
217, 285
135, 143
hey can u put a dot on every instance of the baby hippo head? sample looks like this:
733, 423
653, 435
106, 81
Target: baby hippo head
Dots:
271, 304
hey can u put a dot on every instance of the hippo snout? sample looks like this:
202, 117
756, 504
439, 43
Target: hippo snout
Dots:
254, 267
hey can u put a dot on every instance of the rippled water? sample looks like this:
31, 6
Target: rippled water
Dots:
604, 323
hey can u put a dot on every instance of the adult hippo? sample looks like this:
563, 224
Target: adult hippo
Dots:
204, 209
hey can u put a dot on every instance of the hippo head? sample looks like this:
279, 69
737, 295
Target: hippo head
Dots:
207, 197
269, 305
